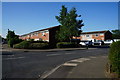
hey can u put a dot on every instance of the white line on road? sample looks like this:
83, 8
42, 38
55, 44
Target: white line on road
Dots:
69, 53
76, 61
49, 73
80, 60
84, 59
70, 64
13, 58
53, 54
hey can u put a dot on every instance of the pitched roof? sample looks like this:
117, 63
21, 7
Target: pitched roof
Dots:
47, 28
95, 32
41, 30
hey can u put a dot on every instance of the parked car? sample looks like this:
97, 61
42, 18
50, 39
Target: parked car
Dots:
85, 43
108, 42
98, 42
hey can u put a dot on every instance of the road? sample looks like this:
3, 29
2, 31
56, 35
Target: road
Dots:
23, 64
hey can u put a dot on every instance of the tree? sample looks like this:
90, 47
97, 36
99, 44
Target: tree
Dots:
116, 34
10, 35
70, 26
12, 38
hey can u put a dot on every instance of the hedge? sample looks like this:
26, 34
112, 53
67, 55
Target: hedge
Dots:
66, 45
22, 45
114, 57
39, 45
29, 45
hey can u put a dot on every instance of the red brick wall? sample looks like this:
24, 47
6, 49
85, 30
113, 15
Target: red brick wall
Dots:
99, 37
45, 37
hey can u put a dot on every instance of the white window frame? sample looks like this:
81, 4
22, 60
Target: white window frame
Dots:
43, 33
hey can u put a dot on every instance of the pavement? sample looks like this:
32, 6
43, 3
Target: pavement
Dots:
92, 67
56, 49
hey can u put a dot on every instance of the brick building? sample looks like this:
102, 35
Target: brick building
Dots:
47, 34
96, 35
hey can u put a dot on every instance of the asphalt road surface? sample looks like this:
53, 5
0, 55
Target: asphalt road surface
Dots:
19, 64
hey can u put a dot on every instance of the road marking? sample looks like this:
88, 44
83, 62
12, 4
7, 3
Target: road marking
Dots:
80, 60
13, 58
53, 54
76, 61
70, 64
49, 73
69, 53
46, 73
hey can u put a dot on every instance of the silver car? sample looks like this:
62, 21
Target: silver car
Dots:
86, 43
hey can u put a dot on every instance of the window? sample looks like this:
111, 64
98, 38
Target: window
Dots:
101, 34
40, 39
36, 34
96, 35
87, 35
43, 34
31, 35
46, 31
39, 32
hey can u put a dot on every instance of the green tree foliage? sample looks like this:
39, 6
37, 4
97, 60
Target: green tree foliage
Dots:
70, 26
114, 57
12, 38
116, 34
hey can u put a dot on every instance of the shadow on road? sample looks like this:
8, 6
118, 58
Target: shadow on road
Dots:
97, 46
7, 53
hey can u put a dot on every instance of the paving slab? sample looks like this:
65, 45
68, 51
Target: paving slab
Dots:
94, 68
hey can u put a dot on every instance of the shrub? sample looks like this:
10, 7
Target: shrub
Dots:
66, 45
28, 45
22, 45
114, 57
31, 40
39, 45
13, 41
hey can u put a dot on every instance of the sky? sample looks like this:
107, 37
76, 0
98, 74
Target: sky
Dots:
25, 17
